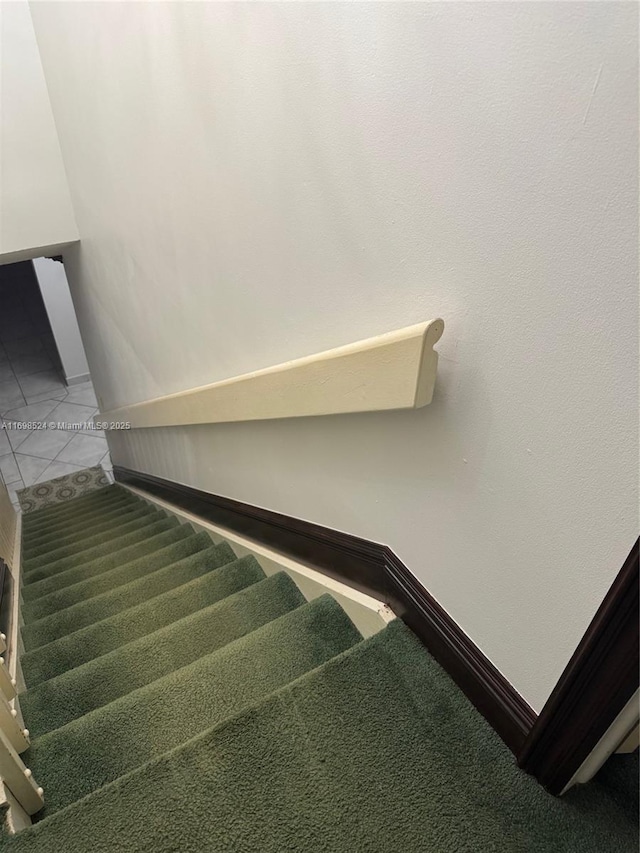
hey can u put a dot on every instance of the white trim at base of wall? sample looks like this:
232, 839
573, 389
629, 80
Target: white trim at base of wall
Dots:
76, 380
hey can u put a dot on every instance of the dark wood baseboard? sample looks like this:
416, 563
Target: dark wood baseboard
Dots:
495, 697
599, 680
372, 568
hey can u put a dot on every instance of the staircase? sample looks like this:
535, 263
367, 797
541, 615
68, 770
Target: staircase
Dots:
180, 700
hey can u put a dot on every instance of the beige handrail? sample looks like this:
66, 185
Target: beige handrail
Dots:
396, 370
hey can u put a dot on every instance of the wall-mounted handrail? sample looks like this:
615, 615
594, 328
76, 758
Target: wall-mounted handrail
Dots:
396, 370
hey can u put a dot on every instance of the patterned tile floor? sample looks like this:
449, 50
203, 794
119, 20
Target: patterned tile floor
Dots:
32, 390
63, 488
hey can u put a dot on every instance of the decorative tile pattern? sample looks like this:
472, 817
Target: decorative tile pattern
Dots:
60, 489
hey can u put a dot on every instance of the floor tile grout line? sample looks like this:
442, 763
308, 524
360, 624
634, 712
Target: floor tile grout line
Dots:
42, 476
57, 372
46, 369
35, 456
83, 411
56, 459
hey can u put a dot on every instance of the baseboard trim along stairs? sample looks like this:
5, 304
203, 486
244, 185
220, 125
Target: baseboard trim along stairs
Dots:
371, 568
187, 689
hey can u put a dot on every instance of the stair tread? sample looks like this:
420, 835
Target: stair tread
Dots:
374, 750
75, 504
80, 584
180, 700
67, 546
102, 637
80, 757
124, 597
108, 562
107, 518
69, 511
90, 516
109, 546
56, 702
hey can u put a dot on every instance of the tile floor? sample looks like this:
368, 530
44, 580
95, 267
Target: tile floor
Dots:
32, 390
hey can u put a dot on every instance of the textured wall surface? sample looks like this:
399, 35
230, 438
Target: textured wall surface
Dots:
257, 182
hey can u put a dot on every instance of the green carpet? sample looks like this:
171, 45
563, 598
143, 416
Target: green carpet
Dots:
117, 515
142, 661
110, 562
128, 624
179, 700
84, 582
70, 514
107, 547
113, 601
79, 539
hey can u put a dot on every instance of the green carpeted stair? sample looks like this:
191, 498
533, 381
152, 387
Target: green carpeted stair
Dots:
180, 700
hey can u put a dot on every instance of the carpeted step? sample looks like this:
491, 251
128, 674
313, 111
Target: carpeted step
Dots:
106, 563
73, 504
104, 679
124, 597
70, 511
109, 546
107, 521
120, 500
620, 775
103, 637
180, 700
88, 517
91, 582
375, 750
67, 546
111, 741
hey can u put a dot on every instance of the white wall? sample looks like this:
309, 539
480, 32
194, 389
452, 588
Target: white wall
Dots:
35, 206
257, 182
64, 325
